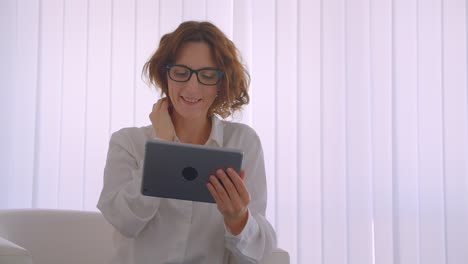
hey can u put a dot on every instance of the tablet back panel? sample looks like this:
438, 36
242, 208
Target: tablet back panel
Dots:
181, 171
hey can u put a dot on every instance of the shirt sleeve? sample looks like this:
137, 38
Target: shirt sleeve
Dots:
121, 201
258, 238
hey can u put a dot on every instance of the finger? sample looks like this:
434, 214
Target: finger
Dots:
239, 183
222, 195
156, 106
229, 186
155, 110
213, 192
227, 183
235, 178
162, 103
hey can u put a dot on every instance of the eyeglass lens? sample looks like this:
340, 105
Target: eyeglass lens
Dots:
205, 76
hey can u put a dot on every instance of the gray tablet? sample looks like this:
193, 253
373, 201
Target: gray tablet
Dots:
181, 171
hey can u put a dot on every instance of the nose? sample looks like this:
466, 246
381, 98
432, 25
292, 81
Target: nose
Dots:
193, 81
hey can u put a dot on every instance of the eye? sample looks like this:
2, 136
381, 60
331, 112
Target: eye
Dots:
180, 72
208, 74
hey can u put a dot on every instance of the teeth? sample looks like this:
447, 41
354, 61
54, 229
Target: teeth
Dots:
191, 100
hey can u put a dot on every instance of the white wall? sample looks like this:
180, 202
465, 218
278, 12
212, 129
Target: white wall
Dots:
361, 106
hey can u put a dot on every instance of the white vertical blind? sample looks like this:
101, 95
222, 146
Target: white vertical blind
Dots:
264, 94
221, 11
358, 131
24, 76
430, 134
8, 43
146, 41
381, 90
73, 103
242, 36
46, 177
333, 127
309, 161
455, 116
361, 106
98, 100
285, 90
406, 143
122, 92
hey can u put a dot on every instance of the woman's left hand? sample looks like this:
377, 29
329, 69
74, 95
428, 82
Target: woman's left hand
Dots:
232, 199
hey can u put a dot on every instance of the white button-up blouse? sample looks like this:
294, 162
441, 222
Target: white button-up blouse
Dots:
158, 230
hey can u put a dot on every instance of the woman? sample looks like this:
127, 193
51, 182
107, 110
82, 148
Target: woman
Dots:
200, 75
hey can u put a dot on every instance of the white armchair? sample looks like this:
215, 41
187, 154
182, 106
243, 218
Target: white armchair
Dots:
45, 236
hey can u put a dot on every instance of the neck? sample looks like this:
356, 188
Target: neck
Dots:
192, 131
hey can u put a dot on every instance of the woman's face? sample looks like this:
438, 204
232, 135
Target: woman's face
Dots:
192, 100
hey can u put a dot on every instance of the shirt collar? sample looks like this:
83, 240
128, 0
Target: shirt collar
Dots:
217, 129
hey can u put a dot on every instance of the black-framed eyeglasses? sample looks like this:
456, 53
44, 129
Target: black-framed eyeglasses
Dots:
206, 76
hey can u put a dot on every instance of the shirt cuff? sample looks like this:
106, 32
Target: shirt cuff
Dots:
174, 139
250, 229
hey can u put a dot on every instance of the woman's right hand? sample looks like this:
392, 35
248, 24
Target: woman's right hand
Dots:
161, 120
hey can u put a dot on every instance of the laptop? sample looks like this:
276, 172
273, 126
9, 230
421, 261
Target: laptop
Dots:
180, 171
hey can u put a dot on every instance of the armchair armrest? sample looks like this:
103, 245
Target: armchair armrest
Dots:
278, 256
10, 253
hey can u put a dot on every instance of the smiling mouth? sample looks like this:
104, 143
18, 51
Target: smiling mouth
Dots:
190, 100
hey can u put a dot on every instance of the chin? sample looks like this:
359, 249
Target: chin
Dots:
192, 114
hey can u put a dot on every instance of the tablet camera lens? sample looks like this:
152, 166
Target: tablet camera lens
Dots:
189, 173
